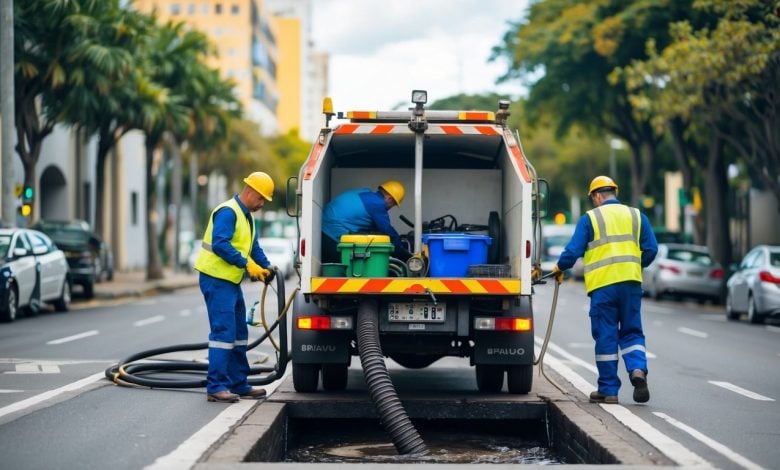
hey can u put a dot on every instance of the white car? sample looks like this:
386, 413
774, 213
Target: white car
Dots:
755, 287
554, 240
32, 270
280, 253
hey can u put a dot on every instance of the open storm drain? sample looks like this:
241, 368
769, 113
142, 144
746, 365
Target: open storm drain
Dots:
463, 442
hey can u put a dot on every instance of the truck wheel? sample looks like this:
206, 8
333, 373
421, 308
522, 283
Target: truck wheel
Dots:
519, 379
494, 231
89, 289
490, 378
334, 376
305, 377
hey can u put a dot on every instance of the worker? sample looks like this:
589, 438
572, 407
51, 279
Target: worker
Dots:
230, 249
617, 242
362, 210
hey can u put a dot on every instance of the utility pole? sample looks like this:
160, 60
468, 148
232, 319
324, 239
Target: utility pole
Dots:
7, 111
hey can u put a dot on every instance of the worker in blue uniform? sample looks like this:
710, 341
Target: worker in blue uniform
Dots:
230, 249
616, 242
361, 211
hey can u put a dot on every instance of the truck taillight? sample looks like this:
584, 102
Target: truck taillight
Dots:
303, 247
502, 323
324, 322
528, 248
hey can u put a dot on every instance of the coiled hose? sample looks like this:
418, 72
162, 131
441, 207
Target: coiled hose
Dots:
128, 372
392, 415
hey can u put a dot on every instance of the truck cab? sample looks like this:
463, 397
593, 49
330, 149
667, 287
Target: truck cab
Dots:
468, 217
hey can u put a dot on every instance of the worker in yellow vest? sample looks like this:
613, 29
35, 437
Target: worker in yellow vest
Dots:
617, 242
229, 250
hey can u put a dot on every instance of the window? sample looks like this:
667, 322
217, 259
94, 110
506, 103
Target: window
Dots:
21, 242
235, 9
191, 9
175, 8
39, 244
204, 8
134, 208
218, 9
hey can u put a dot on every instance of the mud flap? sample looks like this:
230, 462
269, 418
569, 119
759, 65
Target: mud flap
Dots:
316, 346
498, 347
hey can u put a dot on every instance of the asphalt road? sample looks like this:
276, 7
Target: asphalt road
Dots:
714, 384
101, 424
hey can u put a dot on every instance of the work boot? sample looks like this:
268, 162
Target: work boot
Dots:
255, 393
222, 396
639, 381
598, 397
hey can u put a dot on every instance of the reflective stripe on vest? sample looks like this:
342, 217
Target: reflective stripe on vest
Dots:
243, 236
613, 255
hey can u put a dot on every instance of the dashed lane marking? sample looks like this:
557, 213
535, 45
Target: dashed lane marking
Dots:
712, 444
691, 332
731, 387
5, 390
186, 312
32, 401
33, 368
149, 321
75, 337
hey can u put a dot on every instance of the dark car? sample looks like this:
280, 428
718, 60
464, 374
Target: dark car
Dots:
89, 258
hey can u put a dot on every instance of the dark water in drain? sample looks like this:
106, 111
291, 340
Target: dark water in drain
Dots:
353, 441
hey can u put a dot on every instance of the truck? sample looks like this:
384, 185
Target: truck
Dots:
473, 201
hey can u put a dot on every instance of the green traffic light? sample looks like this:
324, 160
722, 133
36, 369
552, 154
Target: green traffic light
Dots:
28, 192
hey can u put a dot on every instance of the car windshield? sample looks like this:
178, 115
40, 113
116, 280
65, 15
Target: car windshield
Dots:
689, 256
5, 244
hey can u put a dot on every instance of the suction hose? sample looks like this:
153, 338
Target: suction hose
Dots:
128, 372
391, 412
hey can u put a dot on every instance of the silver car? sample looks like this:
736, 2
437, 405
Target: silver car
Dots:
755, 287
32, 270
683, 270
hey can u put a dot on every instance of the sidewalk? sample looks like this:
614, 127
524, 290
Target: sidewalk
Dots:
134, 284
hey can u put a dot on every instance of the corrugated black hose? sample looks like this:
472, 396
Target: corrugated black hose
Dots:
130, 373
391, 412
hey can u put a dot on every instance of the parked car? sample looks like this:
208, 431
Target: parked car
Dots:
32, 270
89, 257
683, 270
554, 240
280, 253
755, 287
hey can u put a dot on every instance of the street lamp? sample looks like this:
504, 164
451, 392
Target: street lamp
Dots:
614, 144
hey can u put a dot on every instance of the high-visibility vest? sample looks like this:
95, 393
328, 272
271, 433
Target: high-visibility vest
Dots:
210, 263
614, 254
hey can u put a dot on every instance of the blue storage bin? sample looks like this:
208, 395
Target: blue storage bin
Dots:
451, 254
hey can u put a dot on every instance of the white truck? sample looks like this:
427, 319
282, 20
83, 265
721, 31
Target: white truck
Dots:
466, 177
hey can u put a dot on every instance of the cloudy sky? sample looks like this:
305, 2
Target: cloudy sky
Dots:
380, 50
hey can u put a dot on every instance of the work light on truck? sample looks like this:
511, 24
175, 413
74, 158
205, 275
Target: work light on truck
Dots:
324, 322
502, 324
419, 96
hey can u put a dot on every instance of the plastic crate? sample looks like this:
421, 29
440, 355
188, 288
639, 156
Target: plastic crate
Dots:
451, 254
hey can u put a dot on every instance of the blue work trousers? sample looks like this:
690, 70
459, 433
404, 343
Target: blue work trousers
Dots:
228, 365
616, 322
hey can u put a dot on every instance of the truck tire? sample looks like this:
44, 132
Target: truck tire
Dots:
89, 289
305, 377
490, 378
334, 377
494, 231
520, 378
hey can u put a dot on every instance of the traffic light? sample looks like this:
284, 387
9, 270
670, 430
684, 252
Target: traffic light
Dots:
559, 218
25, 209
28, 193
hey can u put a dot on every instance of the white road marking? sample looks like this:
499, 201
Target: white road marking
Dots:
672, 449
76, 337
773, 329
580, 345
714, 445
740, 390
186, 312
658, 309
2, 390
187, 454
33, 368
32, 401
149, 321
696, 333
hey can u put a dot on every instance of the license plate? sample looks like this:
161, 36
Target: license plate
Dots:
416, 312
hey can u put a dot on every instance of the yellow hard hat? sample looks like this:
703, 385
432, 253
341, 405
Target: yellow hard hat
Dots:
395, 190
601, 182
262, 183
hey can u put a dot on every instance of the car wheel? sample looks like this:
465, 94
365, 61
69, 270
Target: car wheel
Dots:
89, 289
654, 293
731, 314
305, 377
334, 376
62, 304
10, 309
490, 378
520, 378
753, 315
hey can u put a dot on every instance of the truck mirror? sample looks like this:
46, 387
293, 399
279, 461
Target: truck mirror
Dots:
540, 205
292, 199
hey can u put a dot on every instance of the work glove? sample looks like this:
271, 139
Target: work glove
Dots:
255, 270
536, 274
557, 274
271, 274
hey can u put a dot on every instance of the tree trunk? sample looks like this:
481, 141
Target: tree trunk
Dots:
153, 264
106, 141
715, 200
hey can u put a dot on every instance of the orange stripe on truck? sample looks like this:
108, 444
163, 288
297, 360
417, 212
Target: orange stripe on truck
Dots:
390, 285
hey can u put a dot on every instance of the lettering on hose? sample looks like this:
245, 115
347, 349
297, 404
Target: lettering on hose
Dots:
506, 351
318, 348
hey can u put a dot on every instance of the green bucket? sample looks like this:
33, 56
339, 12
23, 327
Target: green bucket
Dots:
334, 270
366, 255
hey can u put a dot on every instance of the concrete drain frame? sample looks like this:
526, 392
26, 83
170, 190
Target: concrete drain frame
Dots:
576, 432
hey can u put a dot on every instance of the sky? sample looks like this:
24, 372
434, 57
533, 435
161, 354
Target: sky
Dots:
380, 50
